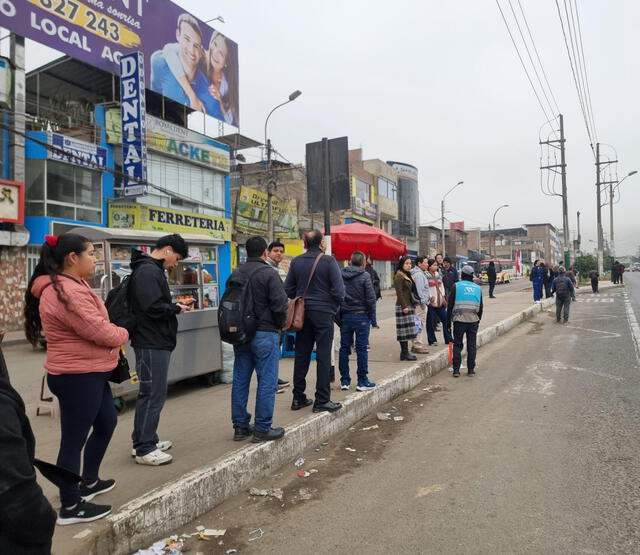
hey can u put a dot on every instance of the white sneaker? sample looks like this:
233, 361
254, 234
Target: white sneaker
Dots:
155, 458
163, 445
344, 387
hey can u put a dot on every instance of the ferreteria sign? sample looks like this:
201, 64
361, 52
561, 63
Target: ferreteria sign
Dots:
174, 140
154, 218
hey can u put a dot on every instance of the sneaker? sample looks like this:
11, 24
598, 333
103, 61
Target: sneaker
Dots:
82, 512
365, 386
345, 387
456, 373
282, 383
163, 445
155, 458
471, 373
102, 486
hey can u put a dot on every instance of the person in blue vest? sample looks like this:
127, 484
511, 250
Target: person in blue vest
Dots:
537, 276
464, 309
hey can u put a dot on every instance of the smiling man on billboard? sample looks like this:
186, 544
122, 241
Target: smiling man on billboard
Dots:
189, 49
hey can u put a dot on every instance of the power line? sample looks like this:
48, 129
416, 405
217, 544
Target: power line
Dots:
524, 66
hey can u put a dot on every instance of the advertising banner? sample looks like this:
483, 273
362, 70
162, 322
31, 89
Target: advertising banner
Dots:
153, 218
185, 59
252, 214
457, 225
172, 139
11, 202
79, 153
134, 139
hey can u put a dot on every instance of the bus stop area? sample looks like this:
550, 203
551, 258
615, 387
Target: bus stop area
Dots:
208, 465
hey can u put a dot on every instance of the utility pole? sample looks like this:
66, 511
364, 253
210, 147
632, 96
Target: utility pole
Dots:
270, 188
16, 155
579, 236
442, 227
612, 244
326, 187
599, 184
562, 170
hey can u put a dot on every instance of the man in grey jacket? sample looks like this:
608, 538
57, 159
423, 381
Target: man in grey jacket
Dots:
419, 344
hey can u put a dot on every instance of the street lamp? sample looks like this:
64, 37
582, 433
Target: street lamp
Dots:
611, 192
442, 209
271, 182
494, 227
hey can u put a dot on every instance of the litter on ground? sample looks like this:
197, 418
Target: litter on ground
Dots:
272, 492
304, 474
398, 418
383, 416
367, 428
299, 462
350, 449
255, 534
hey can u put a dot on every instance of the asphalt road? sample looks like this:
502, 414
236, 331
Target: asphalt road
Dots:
536, 454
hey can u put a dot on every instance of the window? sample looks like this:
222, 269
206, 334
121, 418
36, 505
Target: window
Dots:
60, 190
362, 190
386, 188
434, 240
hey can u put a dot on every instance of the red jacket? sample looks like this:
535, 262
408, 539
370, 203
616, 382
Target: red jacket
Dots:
80, 338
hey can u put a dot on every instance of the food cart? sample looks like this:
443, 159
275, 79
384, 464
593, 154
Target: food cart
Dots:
199, 350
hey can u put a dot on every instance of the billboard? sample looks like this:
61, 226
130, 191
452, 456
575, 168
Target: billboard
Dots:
185, 59
457, 225
252, 214
339, 190
11, 202
74, 151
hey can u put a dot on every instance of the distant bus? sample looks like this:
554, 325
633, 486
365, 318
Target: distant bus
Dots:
504, 269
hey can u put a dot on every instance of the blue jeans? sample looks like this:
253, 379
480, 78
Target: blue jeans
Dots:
261, 354
361, 326
537, 289
432, 315
152, 366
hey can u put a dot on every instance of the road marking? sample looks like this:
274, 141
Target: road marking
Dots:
596, 300
608, 334
633, 324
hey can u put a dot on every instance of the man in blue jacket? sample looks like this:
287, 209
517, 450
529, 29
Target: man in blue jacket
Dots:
324, 294
357, 315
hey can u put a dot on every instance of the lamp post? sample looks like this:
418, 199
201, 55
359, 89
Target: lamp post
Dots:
269, 178
442, 209
612, 244
494, 228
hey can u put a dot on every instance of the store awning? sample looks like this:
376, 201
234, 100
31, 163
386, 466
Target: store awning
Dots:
237, 142
372, 241
94, 233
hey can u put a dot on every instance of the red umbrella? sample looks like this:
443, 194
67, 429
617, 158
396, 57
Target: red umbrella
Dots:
372, 241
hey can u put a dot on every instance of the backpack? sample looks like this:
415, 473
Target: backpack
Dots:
562, 287
120, 307
237, 320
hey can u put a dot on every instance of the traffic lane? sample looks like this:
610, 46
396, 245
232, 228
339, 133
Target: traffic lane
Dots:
535, 454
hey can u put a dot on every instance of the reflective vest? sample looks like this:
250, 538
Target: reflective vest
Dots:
467, 304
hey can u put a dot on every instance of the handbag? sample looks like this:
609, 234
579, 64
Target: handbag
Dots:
121, 372
295, 308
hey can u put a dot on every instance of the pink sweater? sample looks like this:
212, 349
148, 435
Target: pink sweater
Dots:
79, 336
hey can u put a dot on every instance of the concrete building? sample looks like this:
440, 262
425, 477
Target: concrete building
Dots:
405, 227
429, 240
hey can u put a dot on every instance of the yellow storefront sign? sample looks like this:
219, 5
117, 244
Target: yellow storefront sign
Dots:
154, 218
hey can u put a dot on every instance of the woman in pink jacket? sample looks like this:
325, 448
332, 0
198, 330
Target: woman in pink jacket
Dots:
82, 351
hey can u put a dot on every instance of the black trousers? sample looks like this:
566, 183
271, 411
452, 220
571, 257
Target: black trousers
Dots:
318, 330
594, 285
492, 286
460, 329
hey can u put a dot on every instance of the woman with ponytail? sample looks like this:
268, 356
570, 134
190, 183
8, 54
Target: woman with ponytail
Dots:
82, 350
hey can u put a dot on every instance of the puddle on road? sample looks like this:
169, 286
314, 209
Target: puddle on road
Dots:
364, 443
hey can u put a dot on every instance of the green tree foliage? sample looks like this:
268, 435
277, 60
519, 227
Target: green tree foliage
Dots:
585, 263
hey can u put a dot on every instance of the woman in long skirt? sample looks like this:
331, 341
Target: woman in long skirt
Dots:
405, 307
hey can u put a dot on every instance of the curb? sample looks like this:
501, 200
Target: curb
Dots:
141, 521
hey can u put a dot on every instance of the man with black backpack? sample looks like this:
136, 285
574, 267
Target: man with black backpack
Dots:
562, 286
256, 294
153, 340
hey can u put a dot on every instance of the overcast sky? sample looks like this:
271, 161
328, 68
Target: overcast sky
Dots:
439, 85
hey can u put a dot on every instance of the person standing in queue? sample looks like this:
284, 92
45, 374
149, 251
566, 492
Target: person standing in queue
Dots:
406, 295
449, 275
153, 341
82, 351
464, 310
421, 282
492, 278
324, 294
594, 276
261, 353
357, 315
437, 304
275, 254
536, 276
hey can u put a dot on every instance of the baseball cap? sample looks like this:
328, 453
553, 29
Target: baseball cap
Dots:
466, 269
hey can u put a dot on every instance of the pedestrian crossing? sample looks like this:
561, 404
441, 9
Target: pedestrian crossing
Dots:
597, 298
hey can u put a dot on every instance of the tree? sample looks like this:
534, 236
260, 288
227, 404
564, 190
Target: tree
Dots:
585, 263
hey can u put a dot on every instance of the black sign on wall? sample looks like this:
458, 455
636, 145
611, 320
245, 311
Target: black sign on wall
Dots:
339, 190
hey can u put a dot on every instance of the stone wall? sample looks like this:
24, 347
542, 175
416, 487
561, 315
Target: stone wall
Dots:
13, 283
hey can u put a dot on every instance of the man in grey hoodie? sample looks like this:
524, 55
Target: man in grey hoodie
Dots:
419, 344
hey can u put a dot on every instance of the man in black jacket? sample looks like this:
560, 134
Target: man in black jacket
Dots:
449, 275
322, 298
357, 315
27, 519
153, 341
262, 352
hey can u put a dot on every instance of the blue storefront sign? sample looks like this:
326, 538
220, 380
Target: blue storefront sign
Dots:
133, 112
80, 153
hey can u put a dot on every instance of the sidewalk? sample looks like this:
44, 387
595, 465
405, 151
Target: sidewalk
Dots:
208, 465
